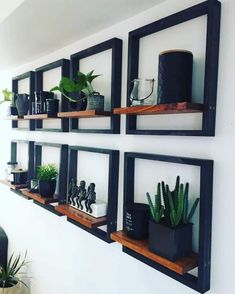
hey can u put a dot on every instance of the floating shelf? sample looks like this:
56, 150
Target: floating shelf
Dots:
13, 187
81, 217
14, 117
39, 116
38, 197
171, 108
181, 266
84, 114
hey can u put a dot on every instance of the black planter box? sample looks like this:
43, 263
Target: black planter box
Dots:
171, 243
47, 189
19, 177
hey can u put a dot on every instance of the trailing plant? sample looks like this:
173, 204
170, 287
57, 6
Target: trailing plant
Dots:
7, 95
157, 208
47, 173
77, 89
176, 204
8, 275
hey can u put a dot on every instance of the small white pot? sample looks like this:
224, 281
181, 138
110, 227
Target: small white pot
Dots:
12, 290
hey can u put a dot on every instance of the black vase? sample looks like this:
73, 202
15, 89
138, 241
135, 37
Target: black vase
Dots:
77, 106
52, 106
47, 188
22, 104
175, 76
136, 221
171, 243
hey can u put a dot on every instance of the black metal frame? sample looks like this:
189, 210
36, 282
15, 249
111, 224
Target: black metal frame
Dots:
15, 80
202, 282
112, 188
115, 45
65, 65
210, 8
63, 170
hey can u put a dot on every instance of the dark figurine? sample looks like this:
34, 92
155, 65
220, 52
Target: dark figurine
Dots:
72, 192
81, 194
90, 197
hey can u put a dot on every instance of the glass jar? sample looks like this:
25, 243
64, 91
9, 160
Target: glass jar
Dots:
142, 92
11, 166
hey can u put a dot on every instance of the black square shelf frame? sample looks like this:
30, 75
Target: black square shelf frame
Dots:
211, 9
15, 81
112, 188
115, 45
202, 282
14, 144
64, 64
63, 171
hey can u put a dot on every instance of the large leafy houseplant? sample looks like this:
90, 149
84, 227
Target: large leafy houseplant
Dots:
10, 274
170, 230
46, 175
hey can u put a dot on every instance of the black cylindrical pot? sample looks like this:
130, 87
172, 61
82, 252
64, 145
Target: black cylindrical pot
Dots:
136, 220
171, 243
52, 106
95, 102
20, 177
22, 104
47, 189
77, 106
175, 76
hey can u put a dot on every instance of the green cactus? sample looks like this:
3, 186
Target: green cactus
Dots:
157, 208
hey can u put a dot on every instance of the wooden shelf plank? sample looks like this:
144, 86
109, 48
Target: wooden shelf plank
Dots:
81, 217
14, 117
84, 114
38, 197
172, 108
13, 187
39, 116
181, 266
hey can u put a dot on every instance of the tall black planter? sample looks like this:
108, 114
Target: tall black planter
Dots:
22, 104
52, 106
136, 221
171, 243
175, 76
47, 189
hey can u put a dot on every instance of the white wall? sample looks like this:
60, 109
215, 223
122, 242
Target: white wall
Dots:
66, 259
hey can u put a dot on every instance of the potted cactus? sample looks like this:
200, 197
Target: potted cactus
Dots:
170, 230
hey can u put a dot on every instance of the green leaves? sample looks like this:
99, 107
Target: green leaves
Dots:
47, 173
157, 209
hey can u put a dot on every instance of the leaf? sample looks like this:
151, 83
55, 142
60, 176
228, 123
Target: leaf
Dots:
56, 88
185, 210
68, 85
152, 209
192, 211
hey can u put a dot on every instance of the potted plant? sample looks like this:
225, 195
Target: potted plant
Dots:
8, 99
170, 230
46, 175
80, 92
9, 275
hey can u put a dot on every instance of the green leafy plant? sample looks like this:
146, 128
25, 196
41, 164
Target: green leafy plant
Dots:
176, 204
157, 208
47, 173
81, 86
8, 96
8, 275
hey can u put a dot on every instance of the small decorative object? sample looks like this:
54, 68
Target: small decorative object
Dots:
175, 76
46, 175
72, 192
22, 104
33, 185
81, 194
19, 176
52, 106
171, 236
142, 91
136, 221
81, 92
39, 106
9, 275
90, 197
11, 166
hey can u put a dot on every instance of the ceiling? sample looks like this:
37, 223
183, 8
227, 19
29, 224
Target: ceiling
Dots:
30, 29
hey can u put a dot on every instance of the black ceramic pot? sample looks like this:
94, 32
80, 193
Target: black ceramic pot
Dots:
22, 104
95, 102
175, 76
136, 221
20, 177
77, 106
171, 243
47, 189
52, 106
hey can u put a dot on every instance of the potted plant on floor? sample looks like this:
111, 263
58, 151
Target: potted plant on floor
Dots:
46, 175
10, 282
170, 230
80, 92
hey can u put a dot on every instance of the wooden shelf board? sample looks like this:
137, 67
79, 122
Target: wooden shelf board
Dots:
39, 116
14, 117
38, 197
81, 217
171, 108
84, 114
13, 187
181, 266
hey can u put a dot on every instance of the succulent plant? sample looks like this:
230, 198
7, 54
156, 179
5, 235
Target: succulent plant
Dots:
157, 208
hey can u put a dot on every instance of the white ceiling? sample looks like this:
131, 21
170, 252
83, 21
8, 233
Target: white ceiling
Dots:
38, 27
